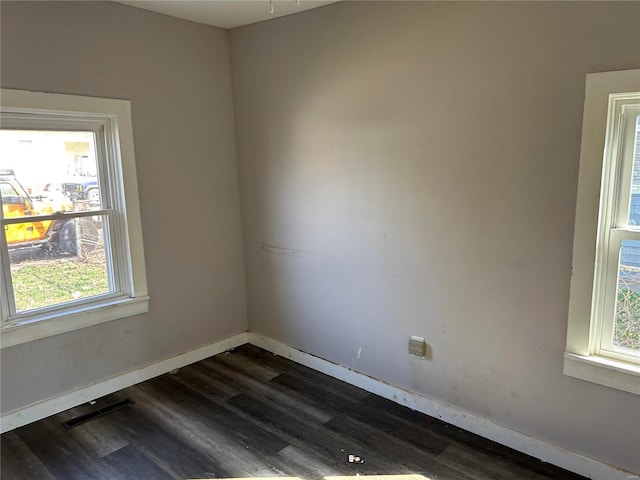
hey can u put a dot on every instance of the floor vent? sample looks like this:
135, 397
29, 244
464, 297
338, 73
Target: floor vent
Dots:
99, 412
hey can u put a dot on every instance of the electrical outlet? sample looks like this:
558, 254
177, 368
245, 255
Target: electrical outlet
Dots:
417, 347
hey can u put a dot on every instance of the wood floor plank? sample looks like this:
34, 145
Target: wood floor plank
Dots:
99, 437
213, 387
135, 465
314, 393
283, 365
61, 454
480, 466
161, 445
324, 443
18, 461
412, 432
234, 427
412, 421
202, 435
248, 385
374, 442
306, 463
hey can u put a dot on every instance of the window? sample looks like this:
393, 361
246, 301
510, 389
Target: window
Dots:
603, 336
70, 243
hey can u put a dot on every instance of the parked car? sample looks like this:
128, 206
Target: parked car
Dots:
82, 188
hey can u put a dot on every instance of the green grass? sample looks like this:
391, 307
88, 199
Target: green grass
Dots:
47, 283
627, 327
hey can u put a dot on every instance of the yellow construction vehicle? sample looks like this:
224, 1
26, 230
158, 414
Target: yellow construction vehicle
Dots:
17, 203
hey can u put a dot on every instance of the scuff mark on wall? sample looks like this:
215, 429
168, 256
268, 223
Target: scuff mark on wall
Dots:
290, 252
509, 264
515, 265
357, 357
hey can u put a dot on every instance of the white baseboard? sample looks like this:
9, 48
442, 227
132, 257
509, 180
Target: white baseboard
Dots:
51, 406
534, 447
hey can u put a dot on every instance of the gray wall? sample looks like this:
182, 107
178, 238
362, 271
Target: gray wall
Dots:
176, 74
411, 169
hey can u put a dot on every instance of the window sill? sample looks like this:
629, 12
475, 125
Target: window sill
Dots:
611, 373
75, 320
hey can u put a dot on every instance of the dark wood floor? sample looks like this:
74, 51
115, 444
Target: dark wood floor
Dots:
249, 413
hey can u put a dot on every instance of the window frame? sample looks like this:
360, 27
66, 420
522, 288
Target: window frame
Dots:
595, 226
118, 183
614, 228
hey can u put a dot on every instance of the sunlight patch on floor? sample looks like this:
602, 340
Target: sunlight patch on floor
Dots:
381, 477
346, 477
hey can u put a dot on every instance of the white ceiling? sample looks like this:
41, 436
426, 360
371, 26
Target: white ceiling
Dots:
227, 13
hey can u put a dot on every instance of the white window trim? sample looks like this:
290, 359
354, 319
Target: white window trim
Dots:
97, 312
580, 359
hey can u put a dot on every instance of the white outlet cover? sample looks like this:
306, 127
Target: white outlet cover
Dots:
417, 346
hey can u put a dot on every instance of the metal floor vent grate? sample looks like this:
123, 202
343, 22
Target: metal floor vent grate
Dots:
99, 412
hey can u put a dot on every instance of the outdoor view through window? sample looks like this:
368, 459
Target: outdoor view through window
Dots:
54, 222
626, 332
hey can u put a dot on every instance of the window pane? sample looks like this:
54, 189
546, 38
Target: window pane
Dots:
42, 172
634, 208
626, 332
73, 268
